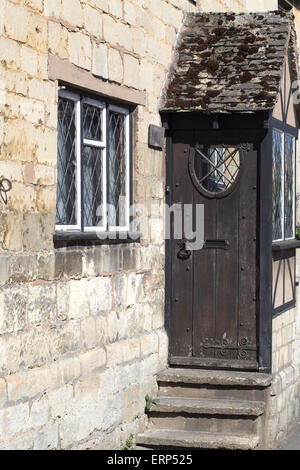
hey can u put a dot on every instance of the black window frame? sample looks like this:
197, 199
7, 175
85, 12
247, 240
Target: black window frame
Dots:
285, 5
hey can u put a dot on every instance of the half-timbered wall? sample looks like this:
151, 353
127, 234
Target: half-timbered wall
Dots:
284, 400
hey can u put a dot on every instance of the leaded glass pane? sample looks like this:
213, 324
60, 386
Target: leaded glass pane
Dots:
277, 188
117, 197
92, 166
217, 168
66, 208
92, 122
289, 198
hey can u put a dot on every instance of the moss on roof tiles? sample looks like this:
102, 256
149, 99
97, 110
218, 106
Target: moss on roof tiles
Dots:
227, 60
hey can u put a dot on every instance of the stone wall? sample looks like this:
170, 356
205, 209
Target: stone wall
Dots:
285, 392
81, 327
238, 5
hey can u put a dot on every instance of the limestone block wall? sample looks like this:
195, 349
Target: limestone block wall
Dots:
285, 393
81, 326
238, 5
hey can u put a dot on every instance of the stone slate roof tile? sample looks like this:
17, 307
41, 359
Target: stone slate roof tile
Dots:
226, 62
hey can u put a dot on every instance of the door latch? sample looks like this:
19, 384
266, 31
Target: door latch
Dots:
184, 253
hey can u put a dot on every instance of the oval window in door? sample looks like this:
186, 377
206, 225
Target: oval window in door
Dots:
215, 169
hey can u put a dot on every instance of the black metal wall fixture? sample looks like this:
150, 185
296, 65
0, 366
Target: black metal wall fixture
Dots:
156, 137
5, 187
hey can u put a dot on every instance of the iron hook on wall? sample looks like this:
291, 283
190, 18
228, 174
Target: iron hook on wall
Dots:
5, 187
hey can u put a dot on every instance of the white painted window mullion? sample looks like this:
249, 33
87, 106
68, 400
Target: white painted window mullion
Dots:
128, 170
78, 162
104, 166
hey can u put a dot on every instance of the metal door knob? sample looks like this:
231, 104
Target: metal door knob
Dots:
183, 253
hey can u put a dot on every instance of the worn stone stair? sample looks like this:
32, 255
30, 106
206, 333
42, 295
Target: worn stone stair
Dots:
167, 439
204, 409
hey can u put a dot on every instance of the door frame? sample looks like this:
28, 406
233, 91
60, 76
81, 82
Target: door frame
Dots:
260, 136
265, 198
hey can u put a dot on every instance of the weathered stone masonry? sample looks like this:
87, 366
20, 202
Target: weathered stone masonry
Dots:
81, 327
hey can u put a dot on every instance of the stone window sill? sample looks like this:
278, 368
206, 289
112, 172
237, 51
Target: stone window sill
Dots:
285, 245
284, 308
106, 238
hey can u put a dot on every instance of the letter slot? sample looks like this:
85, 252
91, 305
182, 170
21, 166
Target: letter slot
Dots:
216, 244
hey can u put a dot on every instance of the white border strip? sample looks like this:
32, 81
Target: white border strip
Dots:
126, 113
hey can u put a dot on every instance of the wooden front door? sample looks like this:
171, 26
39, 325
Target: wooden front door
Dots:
213, 291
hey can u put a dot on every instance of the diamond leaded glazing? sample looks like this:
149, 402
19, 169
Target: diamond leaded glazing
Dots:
92, 122
66, 165
277, 213
93, 165
117, 168
217, 168
289, 175
92, 186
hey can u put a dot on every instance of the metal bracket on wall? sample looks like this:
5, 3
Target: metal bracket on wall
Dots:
5, 187
156, 136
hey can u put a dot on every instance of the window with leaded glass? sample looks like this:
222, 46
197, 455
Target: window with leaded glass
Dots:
283, 215
215, 169
93, 168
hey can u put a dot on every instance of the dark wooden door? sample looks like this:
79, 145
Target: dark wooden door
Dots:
213, 290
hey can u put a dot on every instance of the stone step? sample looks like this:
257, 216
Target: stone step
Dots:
220, 378
209, 415
170, 439
202, 406
199, 383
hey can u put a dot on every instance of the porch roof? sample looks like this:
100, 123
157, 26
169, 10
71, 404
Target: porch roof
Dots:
226, 62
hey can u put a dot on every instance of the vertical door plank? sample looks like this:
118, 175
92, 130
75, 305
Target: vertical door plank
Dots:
182, 289
227, 275
248, 258
204, 283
